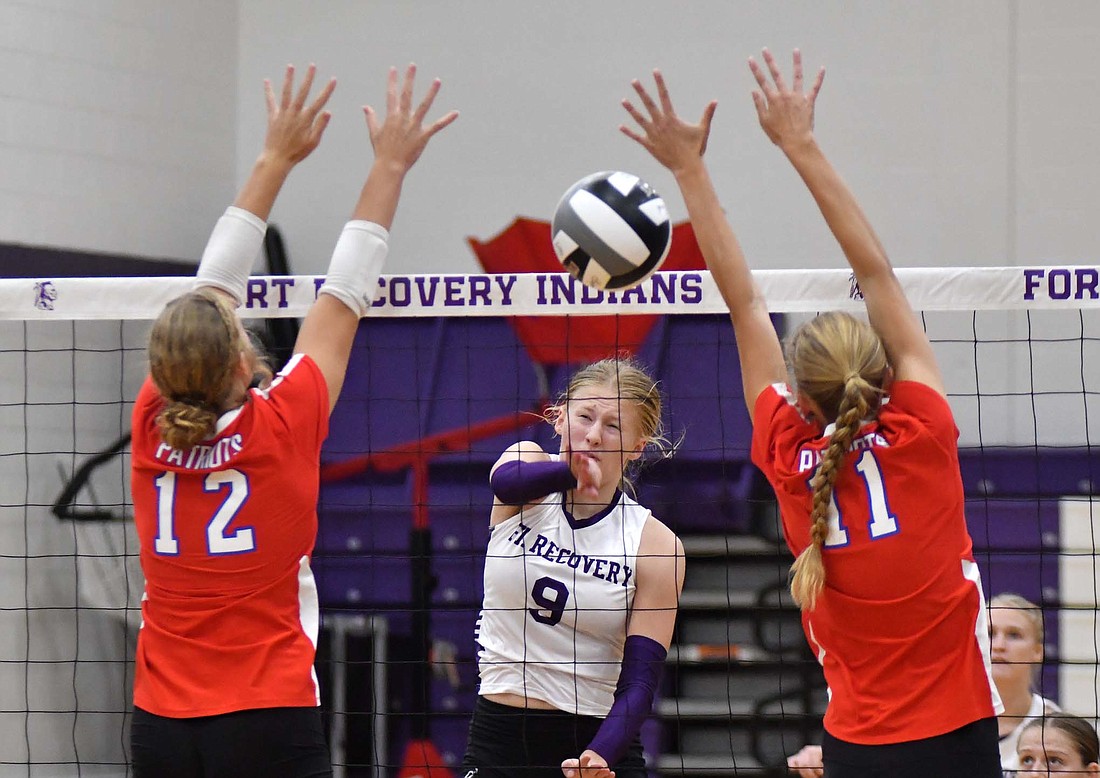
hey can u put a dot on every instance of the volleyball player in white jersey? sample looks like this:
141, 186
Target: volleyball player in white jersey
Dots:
581, 590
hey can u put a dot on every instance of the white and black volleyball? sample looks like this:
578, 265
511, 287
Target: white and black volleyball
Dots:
611, 230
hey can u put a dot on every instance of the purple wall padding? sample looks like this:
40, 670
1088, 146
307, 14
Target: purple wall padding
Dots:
1029, 472
1016, 546
18, 261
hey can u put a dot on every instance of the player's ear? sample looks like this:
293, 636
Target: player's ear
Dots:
555, 414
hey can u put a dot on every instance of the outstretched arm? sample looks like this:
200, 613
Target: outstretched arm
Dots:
525, 474
679, 146
787, 117
293, 131
329, 328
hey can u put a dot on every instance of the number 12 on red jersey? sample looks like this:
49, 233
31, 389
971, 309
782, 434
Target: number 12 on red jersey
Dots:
882, 523
218, 542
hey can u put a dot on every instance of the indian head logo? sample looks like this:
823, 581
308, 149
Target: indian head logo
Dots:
45, 293
854, 292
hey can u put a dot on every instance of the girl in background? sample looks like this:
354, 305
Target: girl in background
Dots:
1059, 745
1016, 640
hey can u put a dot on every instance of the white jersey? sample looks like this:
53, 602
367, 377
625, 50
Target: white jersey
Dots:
1010, 762
558, 594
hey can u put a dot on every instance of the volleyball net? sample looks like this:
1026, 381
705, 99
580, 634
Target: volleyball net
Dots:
449, 370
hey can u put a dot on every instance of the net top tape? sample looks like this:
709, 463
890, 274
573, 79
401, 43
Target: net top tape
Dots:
552, 294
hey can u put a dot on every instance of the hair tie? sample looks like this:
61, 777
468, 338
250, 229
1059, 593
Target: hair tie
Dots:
191, 399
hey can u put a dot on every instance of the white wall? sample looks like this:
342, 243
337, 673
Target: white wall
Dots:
965, 128
1056, 156
118, 123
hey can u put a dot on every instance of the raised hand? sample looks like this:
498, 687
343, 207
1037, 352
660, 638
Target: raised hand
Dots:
293, 132
673, 142
786, 113
590, 765
400, 138
293, 128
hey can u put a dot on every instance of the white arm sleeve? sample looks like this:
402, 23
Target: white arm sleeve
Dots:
232, 248
356, 263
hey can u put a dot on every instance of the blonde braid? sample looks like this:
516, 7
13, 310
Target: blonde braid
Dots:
808, 571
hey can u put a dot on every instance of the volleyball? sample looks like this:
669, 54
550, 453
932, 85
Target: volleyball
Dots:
611, 230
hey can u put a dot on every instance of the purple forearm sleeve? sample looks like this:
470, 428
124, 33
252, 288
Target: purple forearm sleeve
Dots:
518, 483
643, 661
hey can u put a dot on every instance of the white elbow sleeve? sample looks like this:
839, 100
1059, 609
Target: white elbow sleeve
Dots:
356, 263
232, 248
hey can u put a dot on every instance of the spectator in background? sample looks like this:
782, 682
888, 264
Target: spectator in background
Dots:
1016, 637
1058, 745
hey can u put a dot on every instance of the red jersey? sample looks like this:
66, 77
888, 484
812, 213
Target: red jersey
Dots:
900, 628
230, 614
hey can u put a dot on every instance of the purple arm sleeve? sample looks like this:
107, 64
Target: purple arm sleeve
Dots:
643, 661
518, 483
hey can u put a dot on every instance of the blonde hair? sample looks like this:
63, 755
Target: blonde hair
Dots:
1031, 611
633, 387
194, 349
1034, 615
840, 363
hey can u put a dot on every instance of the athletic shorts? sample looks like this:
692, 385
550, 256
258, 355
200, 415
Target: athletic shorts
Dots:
507, 742
261, 743
967, 752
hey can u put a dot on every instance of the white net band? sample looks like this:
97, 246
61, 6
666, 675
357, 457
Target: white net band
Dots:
534, 294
